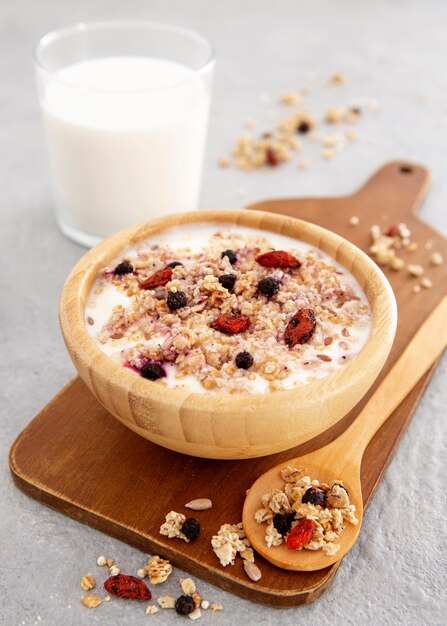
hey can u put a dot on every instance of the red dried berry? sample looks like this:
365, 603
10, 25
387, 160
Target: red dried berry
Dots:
129, 587
278, 258
231, 324
300, 328
271, 158
392, 231
158, 279
300, 534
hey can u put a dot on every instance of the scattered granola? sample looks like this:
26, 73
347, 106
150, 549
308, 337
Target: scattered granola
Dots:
87, 582
415, 270
188, 586
166, 602
354, 220
101, 561
426, 283
91, 600
230, 540
215, 606
228, 293
172, 526
158, 569
436, 259
114, 570
151, 609
305, 513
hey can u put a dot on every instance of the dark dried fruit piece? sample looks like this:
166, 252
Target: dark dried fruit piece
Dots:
269, 286
125, 267
303, 127
129, 587
271, 157
152, 371
283, 522
300, 534
231, 324
244, 360
176, 300
227, 281
278, 258
158, 279
231, 255
184, 605
174, 264
314, 495
300, 328
191, 528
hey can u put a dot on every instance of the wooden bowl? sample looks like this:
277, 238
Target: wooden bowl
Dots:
228, 426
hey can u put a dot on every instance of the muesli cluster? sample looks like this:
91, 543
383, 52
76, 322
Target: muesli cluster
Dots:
306, 513
387, 243
190, 603
228, 311
285, 133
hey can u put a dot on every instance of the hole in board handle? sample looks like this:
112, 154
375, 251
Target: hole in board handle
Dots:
406, 169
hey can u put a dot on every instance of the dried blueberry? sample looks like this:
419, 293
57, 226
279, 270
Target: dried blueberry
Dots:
123, 268
231, 255
268, 286
314, 495
283, 522
176, 300
191, 528
227, 281
174, 264
303, 127
244, 360
152, 371
184, 605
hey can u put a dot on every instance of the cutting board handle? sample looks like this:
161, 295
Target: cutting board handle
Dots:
397, 186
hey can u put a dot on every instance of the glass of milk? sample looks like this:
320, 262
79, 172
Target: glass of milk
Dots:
125, 106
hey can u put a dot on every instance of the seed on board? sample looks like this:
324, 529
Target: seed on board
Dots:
354, 220
426, 283
415, 270
252, 571
199, 504
436, 259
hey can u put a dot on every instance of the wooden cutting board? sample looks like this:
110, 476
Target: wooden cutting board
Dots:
78, 459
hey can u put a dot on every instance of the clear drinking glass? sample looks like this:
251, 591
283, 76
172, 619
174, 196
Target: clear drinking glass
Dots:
125, 107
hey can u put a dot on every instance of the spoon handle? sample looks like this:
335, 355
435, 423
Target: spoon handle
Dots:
424, 348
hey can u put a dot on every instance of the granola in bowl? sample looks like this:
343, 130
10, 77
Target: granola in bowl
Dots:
306, 514
227, 309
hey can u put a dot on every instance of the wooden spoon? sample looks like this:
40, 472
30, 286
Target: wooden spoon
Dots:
341, 459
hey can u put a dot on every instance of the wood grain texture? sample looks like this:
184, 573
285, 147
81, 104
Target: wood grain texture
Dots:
341, 459
228, 426
75, 457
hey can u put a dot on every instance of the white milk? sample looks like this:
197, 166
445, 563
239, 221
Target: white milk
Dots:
126, 138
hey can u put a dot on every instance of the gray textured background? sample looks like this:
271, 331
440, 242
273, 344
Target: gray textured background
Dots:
392, 51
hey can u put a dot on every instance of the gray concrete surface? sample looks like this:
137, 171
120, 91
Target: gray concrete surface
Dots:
392, 51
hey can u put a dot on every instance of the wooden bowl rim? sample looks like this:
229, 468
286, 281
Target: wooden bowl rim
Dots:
81, 278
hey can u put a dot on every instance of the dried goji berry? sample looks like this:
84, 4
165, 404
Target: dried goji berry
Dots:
300, 534
278, 258
271, 158
300, 328
129, 587
158, 279
392, 231
231, 323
